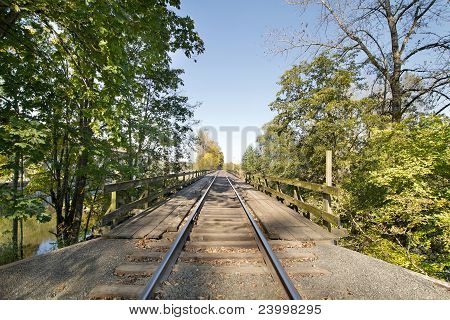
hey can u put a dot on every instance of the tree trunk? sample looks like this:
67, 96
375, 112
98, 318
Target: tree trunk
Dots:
22, 186
395, 85
15, 222
60, 164
15, 241
91, 208
21, 238
73, 219
396, 104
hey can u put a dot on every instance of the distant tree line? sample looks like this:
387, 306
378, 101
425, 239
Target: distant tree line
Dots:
209, 154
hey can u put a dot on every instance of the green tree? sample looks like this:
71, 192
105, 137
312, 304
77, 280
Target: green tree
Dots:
317, 111
251, 160
398, 202
96, 76
394, 175
404, 43
209, 155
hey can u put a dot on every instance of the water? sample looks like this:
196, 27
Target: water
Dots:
46, 246
37, 237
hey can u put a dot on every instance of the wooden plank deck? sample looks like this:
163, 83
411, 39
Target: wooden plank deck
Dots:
279, 221
152, 223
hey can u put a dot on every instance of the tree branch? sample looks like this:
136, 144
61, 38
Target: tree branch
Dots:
442, 109
354, 37
444, 45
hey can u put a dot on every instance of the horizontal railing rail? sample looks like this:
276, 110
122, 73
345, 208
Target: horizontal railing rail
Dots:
266, 184
334, 191
152, 189
237, 174
262, 183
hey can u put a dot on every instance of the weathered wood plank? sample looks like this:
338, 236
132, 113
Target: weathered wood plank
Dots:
155, 223
121, 211
116, 292
124, 209
305, 206
280, 221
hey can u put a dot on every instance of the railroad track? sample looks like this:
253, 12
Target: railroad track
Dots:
220, 252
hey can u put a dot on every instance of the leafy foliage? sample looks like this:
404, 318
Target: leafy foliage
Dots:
395, 175
87, 95
399, 195
209, 155
316, 111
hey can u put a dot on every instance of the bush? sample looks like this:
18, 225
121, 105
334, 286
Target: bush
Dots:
397, 206
7, 254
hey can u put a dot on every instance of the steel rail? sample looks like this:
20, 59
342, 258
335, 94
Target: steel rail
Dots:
165, 267
270, 258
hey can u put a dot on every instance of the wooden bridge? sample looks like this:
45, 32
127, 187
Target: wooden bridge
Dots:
217, 236
220, 232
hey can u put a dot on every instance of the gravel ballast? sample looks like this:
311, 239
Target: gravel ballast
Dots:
68, 273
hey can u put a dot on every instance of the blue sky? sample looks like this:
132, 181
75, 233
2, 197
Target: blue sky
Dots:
235, 79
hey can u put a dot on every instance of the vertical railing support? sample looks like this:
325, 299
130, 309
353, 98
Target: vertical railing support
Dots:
328, 182
114, 201
298, 197
113, 205
277, 184
147, 193
266, 184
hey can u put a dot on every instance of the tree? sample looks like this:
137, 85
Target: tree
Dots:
250, 160
316, 111
21, 140
398, 206
97, 78
209, 155
406, 43
393, 176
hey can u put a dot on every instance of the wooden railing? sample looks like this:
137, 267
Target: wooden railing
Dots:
274, 186
129, 195
237, 174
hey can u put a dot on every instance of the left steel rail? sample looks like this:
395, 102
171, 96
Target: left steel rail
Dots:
166, 265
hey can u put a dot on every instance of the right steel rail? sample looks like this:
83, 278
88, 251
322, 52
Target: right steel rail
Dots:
270, 258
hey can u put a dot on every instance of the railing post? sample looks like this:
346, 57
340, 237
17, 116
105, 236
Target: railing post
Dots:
113, 205
279, 190
114, 200
329, 182
148, 194
298, 197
